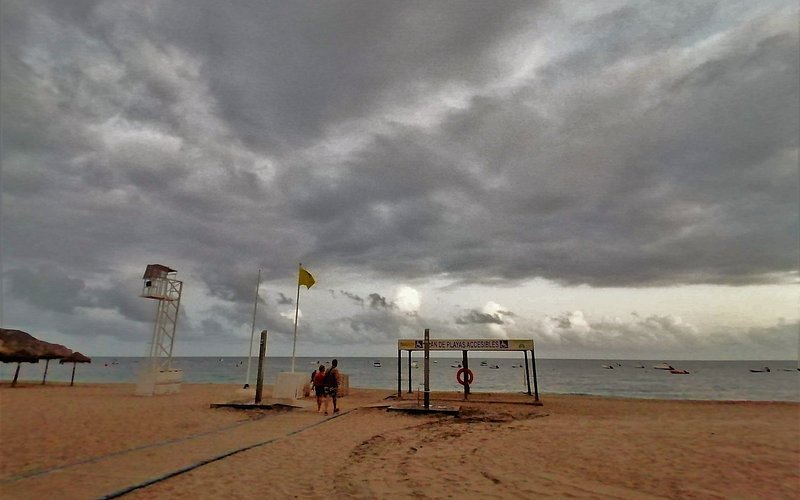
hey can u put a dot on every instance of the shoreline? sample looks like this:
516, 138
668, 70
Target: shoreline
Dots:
56, 437
28, 384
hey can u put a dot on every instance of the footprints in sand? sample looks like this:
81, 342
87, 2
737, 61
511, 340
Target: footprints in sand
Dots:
405, 462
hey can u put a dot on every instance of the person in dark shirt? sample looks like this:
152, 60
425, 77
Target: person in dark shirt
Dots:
332, 380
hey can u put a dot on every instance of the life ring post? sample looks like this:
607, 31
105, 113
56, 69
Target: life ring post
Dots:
465, 364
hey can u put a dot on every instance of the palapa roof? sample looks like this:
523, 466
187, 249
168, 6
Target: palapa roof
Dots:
76, 357
19, 346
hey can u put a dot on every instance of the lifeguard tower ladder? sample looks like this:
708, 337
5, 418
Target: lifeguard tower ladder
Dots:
157, 375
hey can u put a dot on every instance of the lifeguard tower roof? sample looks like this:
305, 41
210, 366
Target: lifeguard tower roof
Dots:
155, 271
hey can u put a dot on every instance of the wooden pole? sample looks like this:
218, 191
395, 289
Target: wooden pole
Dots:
262, 347
46, 366
72, 380
16, 375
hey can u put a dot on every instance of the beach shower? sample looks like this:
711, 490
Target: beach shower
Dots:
156, 375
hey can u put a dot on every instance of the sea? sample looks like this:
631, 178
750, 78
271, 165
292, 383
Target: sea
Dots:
706, 380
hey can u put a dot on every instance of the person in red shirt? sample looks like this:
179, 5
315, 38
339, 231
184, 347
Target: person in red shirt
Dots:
319, 389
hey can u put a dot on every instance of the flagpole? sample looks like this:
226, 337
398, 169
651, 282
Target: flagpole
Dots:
296, 311
252, 331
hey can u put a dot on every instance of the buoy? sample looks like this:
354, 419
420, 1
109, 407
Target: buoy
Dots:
460, 376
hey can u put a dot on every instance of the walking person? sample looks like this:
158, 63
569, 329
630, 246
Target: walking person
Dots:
331, 380
319, 389
313, 376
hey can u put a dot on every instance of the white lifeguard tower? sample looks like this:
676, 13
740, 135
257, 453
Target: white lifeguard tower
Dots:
156, 375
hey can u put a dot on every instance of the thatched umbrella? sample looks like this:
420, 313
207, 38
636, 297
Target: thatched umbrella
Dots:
18, 347
75, 358
52, 351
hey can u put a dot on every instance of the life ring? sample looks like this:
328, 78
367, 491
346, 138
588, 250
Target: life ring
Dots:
460, 376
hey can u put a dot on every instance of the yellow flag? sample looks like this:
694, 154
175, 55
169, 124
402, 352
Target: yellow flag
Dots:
305, 278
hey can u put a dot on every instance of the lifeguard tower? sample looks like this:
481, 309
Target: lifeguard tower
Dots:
156, 375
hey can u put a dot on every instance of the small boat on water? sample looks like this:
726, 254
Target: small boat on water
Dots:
679, 372
494, 367
762, 370
376, 364
484, 363
456, 365
663, 366
608, 367
414, 364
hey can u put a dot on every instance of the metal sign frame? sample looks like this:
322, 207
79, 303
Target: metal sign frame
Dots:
466, 345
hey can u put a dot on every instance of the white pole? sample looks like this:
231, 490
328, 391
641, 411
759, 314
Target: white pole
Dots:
296, 310
252, 331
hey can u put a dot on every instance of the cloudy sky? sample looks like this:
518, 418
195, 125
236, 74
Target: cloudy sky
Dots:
613, 179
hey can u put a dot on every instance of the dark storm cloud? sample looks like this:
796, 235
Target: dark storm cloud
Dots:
284, 300
376, 301
354, 297
47, 288
479, 318
283, 71
651, 145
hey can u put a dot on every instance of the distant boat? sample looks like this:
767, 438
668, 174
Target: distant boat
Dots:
495, 367
679, 372
762, 370
640, 366
376, 364
484, 363
456, 365
435, 361
663, 366
414, 364
608, 367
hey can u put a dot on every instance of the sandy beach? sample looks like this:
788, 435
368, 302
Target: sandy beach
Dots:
92, 441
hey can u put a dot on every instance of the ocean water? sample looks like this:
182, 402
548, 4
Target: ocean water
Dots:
707, 380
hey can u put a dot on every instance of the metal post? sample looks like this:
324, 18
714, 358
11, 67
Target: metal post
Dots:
252, 333
527, 373
296, 312
427, 345
409, 372
260, 377
399, 374
535, 383
465, 365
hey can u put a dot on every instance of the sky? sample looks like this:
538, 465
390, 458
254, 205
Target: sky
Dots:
612, 179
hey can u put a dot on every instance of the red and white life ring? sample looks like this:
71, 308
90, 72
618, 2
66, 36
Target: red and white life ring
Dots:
460, 376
